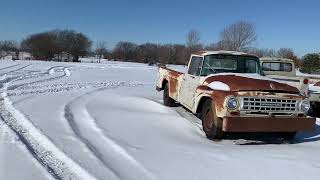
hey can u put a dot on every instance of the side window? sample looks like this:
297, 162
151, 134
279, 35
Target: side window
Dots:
274, 66
252, 66
266, 66
287, 67
195, 66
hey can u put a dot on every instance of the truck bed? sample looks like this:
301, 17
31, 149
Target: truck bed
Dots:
172, 77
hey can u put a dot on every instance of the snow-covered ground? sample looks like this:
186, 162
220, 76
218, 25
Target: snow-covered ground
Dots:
106, 121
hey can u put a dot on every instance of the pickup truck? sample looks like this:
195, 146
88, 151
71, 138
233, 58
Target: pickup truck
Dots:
226, 90
284, 70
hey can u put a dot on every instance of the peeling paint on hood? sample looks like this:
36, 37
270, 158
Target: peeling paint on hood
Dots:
249, 82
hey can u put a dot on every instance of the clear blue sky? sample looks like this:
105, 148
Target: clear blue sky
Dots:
282, 23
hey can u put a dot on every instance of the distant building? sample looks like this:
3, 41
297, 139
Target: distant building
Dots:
6, 55
13, 56
24, 56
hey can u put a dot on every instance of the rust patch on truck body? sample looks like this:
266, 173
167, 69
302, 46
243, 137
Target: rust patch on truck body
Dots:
174, 83
270, 94
268, 124
173, 79
244, 87
172, 72
240, 83
219, 97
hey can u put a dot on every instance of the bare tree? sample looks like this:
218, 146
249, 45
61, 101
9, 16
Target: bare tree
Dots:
286, 53
47, 45
193, 39
8, 48
289, 54
125, 50
238, 36
148, 53
269, 53
263, 52
193, 42
215, 46
101, 50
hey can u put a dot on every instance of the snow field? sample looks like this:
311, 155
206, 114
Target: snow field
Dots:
106, 121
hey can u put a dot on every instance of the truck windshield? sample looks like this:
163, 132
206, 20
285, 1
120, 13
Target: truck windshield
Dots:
213, 64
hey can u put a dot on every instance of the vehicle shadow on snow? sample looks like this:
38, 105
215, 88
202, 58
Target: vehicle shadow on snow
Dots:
308, 137
272, 138
255, 138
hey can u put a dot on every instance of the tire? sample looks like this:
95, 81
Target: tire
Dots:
212, 125
167, 100
288, 135
315, 110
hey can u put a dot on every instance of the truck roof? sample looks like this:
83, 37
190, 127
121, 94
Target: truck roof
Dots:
276, 59
205, 53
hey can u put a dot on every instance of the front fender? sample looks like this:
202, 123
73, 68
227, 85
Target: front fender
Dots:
217, 97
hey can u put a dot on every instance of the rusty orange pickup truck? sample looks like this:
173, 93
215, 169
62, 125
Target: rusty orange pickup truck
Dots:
226, 90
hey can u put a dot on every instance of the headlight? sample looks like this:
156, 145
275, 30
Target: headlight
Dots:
232, 103
305, 106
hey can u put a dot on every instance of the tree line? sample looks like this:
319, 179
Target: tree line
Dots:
69, 45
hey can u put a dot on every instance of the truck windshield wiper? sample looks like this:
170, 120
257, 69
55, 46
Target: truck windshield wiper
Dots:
214, 71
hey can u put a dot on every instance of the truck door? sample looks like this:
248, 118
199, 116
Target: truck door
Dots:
190, 81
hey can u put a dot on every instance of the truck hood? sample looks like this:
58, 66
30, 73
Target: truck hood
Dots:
246, 82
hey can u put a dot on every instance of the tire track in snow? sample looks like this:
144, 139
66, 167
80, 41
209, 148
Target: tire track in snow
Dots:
11, 71
9, 67
109, 152
11, 137
58, 164
65, 70
55, 88
6, 78
18, 76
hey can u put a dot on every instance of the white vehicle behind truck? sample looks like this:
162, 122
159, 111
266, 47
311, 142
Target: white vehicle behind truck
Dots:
284, 70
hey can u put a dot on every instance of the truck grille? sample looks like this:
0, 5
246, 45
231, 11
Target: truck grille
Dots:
268, 104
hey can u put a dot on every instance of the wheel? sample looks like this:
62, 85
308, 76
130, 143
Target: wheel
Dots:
288, 135
167, 100
212, 125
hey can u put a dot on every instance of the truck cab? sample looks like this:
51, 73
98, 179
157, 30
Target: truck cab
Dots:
227, 91
202, 66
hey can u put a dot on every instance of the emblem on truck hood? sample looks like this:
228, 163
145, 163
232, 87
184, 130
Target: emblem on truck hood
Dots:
271, 85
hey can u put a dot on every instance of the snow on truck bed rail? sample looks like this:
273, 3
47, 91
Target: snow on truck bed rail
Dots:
106, 121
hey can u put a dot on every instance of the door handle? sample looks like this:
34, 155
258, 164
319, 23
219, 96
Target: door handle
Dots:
192, 77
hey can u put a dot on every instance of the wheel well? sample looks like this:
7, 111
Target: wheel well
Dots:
164, 82
201, 103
